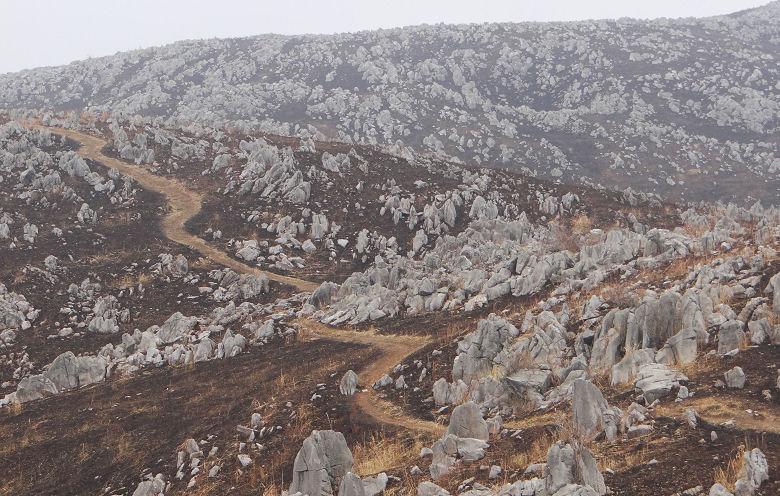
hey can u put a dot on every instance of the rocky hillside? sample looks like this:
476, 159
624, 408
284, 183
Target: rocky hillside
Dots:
683, 107
466, 330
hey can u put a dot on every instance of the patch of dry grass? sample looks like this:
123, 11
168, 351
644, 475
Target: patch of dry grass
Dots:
535, 454
734, 469
381, 452
624, 460
581, 224
15, 408
728, 474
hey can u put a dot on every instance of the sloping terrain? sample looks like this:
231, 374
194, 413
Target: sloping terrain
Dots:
472, 285
433, 260
685, 107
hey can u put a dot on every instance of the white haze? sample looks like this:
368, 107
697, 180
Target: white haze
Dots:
54, 32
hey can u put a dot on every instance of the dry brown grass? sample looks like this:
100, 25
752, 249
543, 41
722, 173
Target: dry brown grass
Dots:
84, 453
734, 469
702, 365
15, 408
619, 296
563, 238
272, 490
624, 460
130, 280
535, 454
581, 224
302, 425
121, 446
381, 452
728, 474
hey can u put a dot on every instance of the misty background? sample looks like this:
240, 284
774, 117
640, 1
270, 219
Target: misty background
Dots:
53, 32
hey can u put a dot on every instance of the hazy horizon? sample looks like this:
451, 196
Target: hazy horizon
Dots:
66, 32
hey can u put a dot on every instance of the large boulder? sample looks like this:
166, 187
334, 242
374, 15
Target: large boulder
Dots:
653, 322
478, 349
606, 350
445, 393
63, 372
321, 464
176, 327
467, 421
321, 296
735, 378
449, 449
153, 487
34, 387
572, 463
232, 344
656, 380
575, 490
629, 366
730, 336
90, 370
426, 488
760, 330
591, 412
719, 490
756, 471
679, 349
525, 381
179, 267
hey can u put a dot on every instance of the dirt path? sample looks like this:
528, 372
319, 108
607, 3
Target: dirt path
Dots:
394, 349
184, 203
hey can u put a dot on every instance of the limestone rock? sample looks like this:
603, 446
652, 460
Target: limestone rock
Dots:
730, 336
576, 490
735, 378
756, 467
478, 349
679, 349
629, 366
351, 485
154, 487
525, 381
591, 412
427, 488
348, 383
321, 464
572, 463
467, 421
656, 380
719, 490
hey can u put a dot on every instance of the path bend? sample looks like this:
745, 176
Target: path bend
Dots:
184, 203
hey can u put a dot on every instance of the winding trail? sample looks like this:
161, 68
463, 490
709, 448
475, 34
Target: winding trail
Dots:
184, 203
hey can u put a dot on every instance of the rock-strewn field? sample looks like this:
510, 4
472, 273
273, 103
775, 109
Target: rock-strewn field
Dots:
674, 106
397, 314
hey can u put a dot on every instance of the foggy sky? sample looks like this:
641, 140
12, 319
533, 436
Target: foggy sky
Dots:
56, 32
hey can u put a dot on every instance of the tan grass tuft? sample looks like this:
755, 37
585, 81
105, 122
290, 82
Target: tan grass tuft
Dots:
381, 452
